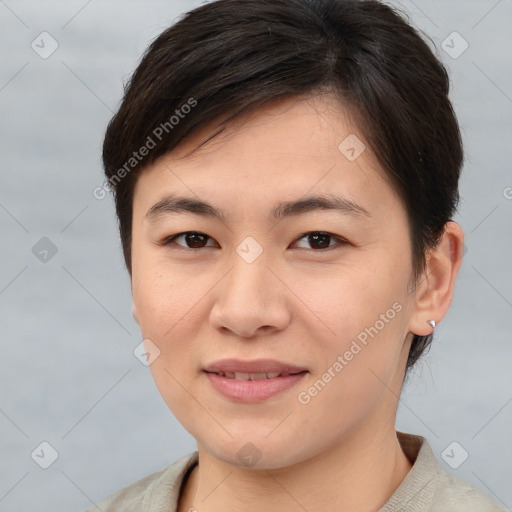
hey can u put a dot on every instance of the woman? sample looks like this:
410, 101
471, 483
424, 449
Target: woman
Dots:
285, 173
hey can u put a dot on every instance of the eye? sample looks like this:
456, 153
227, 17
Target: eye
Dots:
321, 240
190, 240
317, 240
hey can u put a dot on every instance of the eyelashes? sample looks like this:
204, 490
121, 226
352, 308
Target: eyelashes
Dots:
195, 240
320, 237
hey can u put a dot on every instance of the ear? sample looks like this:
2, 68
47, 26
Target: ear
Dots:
435, 288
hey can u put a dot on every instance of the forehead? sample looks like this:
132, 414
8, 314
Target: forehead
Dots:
284, 150
293, 125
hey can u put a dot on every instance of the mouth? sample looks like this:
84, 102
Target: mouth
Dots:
255, 376
257, 369
253, 381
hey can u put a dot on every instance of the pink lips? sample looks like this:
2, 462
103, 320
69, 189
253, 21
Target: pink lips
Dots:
252, 381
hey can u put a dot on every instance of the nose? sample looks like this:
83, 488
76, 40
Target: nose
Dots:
250, 301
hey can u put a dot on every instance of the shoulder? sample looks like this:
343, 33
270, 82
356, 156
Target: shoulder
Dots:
429, 488
453, 494
157, 491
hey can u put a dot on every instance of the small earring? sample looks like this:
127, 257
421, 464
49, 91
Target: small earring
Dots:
432, 323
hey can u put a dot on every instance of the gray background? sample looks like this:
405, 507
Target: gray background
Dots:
67, 372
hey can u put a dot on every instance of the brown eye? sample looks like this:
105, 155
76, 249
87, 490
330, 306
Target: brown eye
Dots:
320, 240
196, 240
190, 240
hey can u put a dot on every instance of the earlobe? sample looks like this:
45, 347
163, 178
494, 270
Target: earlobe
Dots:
135, 314
134, 307
435, 289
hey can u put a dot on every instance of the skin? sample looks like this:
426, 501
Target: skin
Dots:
296, 303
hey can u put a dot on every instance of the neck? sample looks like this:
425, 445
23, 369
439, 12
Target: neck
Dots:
361, 473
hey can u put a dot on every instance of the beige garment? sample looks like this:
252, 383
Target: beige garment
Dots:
426, 488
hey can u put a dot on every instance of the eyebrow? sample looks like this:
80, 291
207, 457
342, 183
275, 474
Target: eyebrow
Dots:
173, 204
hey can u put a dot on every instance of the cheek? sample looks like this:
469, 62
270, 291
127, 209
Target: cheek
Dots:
368, 319
162, 297
359, 371
167, 308
350, 299
171, 307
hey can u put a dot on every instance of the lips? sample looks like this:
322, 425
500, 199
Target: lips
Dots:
253, 381
252, 370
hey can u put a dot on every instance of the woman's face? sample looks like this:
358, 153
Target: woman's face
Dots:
274, 276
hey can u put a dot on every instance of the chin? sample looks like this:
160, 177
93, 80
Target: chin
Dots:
257, 452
